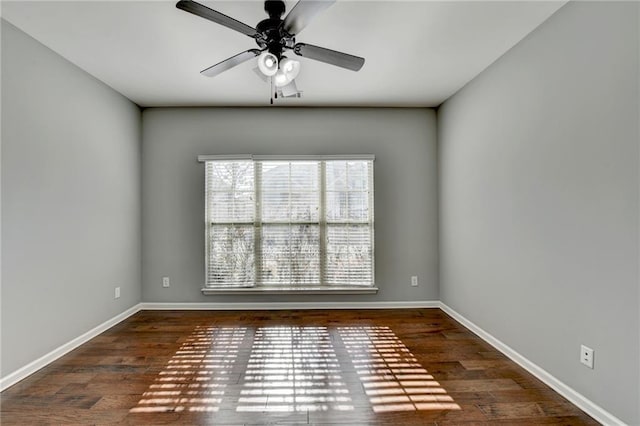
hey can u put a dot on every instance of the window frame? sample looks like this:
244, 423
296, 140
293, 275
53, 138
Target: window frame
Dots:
322, 287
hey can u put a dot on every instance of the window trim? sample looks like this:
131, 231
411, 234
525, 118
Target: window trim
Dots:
250, 157
319, 288
290, 290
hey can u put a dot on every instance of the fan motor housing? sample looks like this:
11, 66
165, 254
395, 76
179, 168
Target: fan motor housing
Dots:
273, 36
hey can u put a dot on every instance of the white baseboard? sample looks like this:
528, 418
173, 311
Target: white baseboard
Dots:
576, 398
45, 360
270, 306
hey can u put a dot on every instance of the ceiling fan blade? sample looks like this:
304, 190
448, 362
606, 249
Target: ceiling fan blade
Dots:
302, 13
344, 60
229, 63
215, 16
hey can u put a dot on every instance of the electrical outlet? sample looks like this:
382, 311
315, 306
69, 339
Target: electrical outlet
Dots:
166, 282
586, 356
117, 293
414, 281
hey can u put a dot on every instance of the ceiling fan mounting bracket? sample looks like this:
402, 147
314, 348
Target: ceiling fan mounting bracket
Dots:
274, 8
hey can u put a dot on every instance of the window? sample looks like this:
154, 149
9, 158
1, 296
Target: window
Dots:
294, 223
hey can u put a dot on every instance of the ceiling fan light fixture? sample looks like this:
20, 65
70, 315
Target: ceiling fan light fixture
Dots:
289, 70
290, 67
268, 63
281, 79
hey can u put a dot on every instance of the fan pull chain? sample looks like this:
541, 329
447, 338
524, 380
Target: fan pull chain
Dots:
271, 94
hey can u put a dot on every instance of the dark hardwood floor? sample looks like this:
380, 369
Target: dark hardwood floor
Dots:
411, 366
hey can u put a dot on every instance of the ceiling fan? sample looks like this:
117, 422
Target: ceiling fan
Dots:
274, 36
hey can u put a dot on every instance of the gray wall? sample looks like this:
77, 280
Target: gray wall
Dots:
70, 201
404, 142
539, 200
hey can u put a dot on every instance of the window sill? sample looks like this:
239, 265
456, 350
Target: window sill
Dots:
291, 290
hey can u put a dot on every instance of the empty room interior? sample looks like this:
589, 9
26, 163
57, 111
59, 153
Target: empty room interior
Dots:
320, 212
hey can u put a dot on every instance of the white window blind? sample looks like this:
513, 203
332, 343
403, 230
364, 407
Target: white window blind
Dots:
289, 223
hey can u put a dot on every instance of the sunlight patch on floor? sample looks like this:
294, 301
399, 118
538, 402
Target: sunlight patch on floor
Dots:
197, 374
281, 369
391, 375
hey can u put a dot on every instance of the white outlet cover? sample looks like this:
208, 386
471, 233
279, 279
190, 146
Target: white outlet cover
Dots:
166, 282
117, 293
586, 356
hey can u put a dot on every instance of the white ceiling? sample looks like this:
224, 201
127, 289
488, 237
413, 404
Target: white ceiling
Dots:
418, 53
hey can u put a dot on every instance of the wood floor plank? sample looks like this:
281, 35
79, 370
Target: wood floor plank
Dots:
480, 385
364, 367
511, 410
